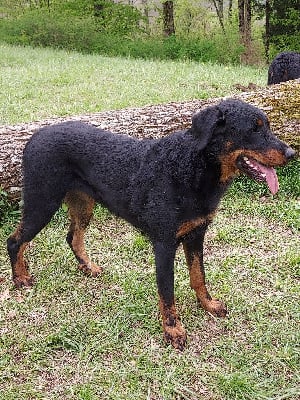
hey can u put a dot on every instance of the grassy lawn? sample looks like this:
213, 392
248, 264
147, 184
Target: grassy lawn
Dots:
39, 83
73, 337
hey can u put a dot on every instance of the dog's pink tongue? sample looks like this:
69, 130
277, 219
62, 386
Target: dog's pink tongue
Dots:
271, 178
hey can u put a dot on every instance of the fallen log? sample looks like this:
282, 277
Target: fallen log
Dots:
280, 102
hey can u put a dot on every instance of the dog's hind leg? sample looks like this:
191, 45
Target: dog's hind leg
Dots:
194, 256
37, 213
16, 246
80, 212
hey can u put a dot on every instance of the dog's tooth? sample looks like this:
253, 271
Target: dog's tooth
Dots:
246, 158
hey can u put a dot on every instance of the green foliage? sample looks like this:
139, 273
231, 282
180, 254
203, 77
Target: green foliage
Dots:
38, 28
284, 42
8, 211
117, 19
113, 30
193, 20
284, 26
72, 8
3, 203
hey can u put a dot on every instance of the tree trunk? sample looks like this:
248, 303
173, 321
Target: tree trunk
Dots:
267, 30
248, 14
230, 11
220, 13
241, 7
146, 14
168, 18
244, 7
280, 102
221, 9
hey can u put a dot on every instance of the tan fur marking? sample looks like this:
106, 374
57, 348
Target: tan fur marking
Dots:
228, 166
197, 282
197, 278
188, 226
80, 211
260, 122
174, 332
229, 170
21, 276
272, 158
228, 145
17, 232
78, 244
20, 272
20, 267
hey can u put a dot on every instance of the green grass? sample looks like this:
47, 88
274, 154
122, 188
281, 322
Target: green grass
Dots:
40, 83
78, 338
72, 337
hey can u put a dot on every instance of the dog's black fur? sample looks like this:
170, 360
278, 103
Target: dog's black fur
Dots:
168, 188
284, 67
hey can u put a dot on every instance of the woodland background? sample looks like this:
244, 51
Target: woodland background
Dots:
223, 31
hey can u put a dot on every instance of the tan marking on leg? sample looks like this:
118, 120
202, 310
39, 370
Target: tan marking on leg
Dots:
197, 282
20, 272
80, 211
174, 332
21, 276
188, 226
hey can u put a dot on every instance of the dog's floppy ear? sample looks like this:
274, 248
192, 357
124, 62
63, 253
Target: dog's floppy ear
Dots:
205, 123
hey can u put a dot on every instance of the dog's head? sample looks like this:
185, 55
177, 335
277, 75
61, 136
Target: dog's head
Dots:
238, 136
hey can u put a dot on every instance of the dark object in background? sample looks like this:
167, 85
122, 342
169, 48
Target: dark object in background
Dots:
284, 67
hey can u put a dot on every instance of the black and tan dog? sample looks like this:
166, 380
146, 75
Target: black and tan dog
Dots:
168, 188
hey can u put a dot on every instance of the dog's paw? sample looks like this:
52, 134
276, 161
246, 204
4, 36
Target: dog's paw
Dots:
90, 269
215, 307
175, 335
25, 281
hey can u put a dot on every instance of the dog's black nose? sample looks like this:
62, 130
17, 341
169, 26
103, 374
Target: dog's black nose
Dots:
290, 153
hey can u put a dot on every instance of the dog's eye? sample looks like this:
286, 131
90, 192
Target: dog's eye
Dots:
259, 123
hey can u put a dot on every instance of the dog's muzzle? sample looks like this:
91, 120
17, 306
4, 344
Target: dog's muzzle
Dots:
290, 154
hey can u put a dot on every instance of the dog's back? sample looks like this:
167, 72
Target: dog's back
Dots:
74, 155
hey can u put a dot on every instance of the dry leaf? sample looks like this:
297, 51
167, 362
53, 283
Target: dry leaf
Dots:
4, 295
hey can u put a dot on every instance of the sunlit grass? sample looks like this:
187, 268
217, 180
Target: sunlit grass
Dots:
79, 338
40, 83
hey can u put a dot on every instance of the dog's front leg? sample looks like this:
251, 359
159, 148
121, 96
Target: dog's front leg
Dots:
174, 332
194, 256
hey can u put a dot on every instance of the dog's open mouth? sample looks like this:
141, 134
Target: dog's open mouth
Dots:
259, 172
